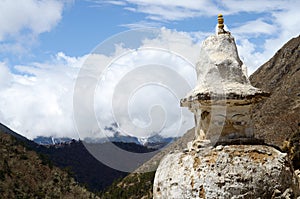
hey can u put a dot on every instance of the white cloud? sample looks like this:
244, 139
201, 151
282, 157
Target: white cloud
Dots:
254, 28
178, 10
140, 81
22, 21
5, 75
254, 6
169, 9
142, 24
281, 27
35, 16
39, 99
39, 102
277, 21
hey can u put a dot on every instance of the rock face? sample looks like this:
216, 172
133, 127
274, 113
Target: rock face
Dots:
233, 171
278, 117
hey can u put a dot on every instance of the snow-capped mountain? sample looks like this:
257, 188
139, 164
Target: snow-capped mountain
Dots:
155, 141
42, 140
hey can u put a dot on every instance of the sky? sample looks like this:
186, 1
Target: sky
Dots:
45, 46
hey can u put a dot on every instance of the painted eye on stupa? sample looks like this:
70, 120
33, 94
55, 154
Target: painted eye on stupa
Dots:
238, 117
239, 123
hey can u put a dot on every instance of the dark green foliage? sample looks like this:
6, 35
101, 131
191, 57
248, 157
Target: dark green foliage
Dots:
75, 159
24, 175
79, 163
45, 160
2, 175
23, 157
134, 186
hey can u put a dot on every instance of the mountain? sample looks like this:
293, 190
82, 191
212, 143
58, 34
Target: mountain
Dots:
277, 119
42, 140
73, 157
156, 141
25, 174
28, 143
113, 136
278, 116
85, 167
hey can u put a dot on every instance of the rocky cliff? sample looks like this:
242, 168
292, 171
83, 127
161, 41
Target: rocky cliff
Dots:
277, 118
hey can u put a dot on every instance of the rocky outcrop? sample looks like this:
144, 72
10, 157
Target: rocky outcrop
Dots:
234, 171
278, 117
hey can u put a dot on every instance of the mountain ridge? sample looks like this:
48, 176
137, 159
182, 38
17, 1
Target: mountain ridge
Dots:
276, 118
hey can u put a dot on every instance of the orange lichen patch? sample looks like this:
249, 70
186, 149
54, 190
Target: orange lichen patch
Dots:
196, 162
258, 156
237, 154
212, 157
181, 159
201, 192
192, 183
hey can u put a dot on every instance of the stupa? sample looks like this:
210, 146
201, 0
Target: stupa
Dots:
223, 98
225, 160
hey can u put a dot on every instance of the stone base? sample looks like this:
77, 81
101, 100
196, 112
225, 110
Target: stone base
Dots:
232, 171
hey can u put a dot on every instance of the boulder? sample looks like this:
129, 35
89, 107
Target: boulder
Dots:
232, 171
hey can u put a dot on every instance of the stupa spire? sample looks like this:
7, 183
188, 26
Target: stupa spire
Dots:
221, 25
220, 21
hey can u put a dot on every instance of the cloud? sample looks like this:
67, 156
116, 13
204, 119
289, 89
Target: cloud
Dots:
273, 31
169, 9
144, 88
5, 75
38, 100
23, 21
179, 10
138, 87
276, 23
142, 24
254, 28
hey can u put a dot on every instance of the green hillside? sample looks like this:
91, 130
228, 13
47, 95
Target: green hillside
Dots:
25, 174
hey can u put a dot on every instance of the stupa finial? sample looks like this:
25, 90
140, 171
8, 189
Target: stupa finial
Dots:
221, 25
220, 21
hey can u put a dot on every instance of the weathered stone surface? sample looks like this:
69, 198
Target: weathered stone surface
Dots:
235, 171
221, 72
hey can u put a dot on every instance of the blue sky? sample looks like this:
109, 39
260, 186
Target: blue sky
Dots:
44, 43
